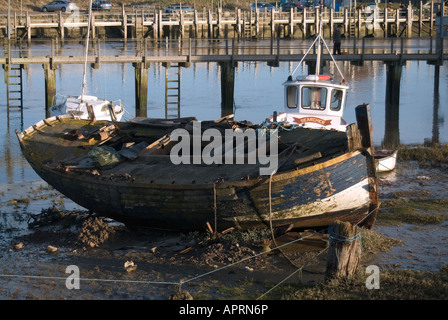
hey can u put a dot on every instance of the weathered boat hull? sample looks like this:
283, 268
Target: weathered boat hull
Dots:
302, 200
312, 195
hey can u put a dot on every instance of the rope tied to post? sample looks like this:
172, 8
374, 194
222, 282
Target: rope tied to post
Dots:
338, 238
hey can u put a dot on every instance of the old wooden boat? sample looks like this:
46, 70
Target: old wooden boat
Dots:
386, 159
324, 178
129, 171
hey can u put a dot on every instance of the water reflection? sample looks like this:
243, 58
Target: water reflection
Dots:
437, 119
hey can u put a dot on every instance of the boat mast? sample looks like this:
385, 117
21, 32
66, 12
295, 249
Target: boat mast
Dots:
86, 53
319, 40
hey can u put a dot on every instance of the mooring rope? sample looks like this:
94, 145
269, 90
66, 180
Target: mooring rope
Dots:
333, 236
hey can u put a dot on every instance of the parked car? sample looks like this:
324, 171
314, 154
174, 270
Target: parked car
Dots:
177, 8
310, 4
263, 6
101, 5
286, 7
60, 5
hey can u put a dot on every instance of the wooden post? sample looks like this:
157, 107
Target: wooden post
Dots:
195, 24
181, 25
291, 24
155, 27
346, 22
124, 23
238, 23
61, 26
364, 122
374, 21
210, 25
219, 22
227, 87
304, 23
50, 87
141, 89
397, 22
393, 79
359, 23
420, 18
431, 19
331, 22
28, 26
409, 19
160, 24
344, 251
143, 23
92, 23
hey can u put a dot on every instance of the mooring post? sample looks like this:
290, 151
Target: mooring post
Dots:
364, 122
227, 87
141, 88
304, 35
28, 26
409, 20
344, 250
50, 86
124, 22
61, 26
435, 114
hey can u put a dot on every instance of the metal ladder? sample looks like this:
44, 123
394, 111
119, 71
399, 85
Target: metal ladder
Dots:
14, 82
14, 87
172, 90
247, 27
352, 25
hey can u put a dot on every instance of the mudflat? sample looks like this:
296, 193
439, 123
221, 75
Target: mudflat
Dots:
53, 250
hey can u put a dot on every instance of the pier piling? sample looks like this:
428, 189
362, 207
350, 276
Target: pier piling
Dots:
141, 89
50, 87
227, 87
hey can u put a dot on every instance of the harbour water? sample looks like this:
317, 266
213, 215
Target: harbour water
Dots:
258, 93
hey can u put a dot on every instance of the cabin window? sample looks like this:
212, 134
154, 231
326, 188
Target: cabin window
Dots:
336, 100
291, 96
314, 98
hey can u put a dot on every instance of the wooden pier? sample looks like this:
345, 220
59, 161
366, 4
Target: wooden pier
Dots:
155, 24
226, 53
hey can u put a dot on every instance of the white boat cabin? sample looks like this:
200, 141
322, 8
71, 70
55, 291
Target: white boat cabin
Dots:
102, 108
314, 101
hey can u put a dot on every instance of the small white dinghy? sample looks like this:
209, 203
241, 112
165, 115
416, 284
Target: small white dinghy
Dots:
101, 109
386, 160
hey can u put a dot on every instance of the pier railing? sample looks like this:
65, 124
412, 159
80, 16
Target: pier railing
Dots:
154, 23
226, 53
199, 50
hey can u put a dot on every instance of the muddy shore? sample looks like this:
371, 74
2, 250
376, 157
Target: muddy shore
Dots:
46, 239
